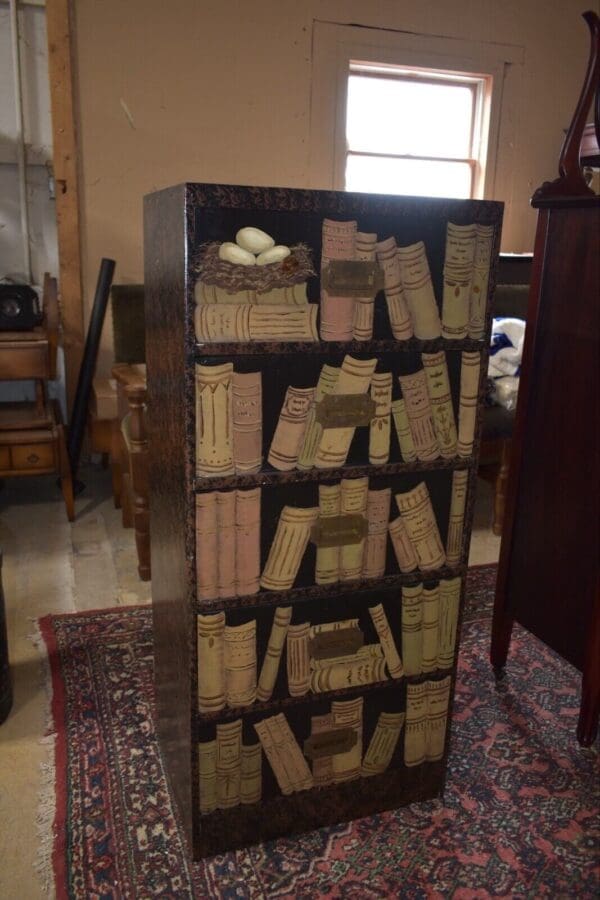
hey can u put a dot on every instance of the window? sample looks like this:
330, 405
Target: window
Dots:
432, 68
415, 131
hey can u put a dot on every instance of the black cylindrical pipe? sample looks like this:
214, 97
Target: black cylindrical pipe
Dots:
6, 695
88, 364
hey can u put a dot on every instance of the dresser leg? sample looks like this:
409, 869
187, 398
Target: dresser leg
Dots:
500, 488
501, 634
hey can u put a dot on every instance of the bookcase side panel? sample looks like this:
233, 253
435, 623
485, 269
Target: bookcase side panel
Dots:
164, 254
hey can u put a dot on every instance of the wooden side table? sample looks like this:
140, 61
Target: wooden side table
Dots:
32, 434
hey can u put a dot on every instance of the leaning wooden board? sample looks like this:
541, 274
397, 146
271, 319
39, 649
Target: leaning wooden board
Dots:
314, 432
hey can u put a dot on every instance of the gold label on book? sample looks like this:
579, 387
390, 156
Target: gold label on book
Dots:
332, 644
352, 278
329, 743
345, 410
339, 531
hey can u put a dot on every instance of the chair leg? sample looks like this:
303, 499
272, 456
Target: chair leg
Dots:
115, 466
141, 517
66, 481
500, 488
126, 510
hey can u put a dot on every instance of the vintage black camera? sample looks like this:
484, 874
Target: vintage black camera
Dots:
19, 308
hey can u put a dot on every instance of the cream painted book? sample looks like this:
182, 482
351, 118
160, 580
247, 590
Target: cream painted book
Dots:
469, 391
403, 432
207, 776
214, 420
284, 755
240, 664
415, 732
440, 401
354, 378
291, 427
337, 313
251, 778
206, 546
412, 629
270, 666
405, 553
398, 313
448, 621
379, 429
438, 699
327, 570
383, 744
420, 418
348, 714
458, 276
211, 662
288, 547
298, 659
418, 290
430, 628
235, 323
247, 541
226, 562
229, 764
480, 283
366, 666
314, 429
421, 526
364, 307
458, 499
354, 498
382, 627
378, 515
247, 421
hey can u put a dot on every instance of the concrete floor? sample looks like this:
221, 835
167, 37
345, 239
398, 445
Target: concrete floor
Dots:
52, 566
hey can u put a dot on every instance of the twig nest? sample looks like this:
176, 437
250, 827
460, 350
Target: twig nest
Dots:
231, 253
273, 255
254, 240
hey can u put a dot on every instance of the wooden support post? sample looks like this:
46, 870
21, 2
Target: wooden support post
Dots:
64, 137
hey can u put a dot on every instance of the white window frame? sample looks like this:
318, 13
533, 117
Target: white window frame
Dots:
481, 88
336, 46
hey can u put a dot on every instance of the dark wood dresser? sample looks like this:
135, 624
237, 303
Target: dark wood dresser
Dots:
549, 573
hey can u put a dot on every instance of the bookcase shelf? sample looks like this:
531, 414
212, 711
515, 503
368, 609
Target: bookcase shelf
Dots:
329, 591
291, 763
283, 703
273, 478
327, 348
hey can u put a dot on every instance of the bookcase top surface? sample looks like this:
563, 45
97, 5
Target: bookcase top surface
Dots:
208, 195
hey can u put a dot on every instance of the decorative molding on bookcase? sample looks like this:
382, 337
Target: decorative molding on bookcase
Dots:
272, 478
318, 591
205, 351
226, 829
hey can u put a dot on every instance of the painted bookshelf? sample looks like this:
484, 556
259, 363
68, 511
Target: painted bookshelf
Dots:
314, 435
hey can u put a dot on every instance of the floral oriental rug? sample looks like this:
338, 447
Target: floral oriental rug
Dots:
519, 817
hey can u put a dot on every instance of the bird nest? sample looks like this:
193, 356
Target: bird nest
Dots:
294, 269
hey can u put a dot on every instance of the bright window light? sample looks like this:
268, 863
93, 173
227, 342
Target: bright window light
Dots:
412, 131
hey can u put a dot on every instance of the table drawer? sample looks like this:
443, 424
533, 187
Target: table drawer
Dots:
33, 456
23, 360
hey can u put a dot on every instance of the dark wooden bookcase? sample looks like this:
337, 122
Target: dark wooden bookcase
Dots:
177, 222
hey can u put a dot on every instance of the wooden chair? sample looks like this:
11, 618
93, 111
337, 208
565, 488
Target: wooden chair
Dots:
130, 451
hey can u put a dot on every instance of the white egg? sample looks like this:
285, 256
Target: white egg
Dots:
237, 255
273, 255
254, 240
